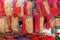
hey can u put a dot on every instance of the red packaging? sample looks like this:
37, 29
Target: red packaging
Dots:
23, 25
38, 8
50, 2
54, 11
34, 37
2, 13
48, 38
28, 6
36, 20
27, 26
25, 5
40, 3
14, 2
16, 11
47, 22
46, 7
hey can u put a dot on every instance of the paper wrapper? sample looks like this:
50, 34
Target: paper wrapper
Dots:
52, 22
14, 24
46, 6
54, 11
29, 8
4, 24
29, 24
8, 7
48, 38
36, 21
41, 23
16, 11
19, 4
41, 7
38, 8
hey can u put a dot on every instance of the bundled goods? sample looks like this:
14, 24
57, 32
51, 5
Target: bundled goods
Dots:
27, 25
16, 16
36, 20
54, 10
15, 24
4, 24
18, 8
8, 7
2, 12
41, 23
40, 7
47, 7
28, 8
